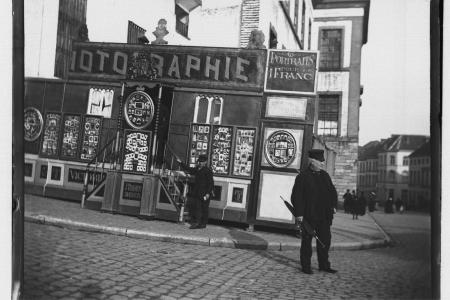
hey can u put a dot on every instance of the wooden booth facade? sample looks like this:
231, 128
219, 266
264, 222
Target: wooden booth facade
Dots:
109, 135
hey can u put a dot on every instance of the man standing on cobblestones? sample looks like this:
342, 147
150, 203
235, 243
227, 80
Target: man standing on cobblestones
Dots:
203, 189
314, 198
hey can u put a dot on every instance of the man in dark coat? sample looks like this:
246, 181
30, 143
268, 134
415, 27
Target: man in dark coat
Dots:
314, 198
202, 191
347, 201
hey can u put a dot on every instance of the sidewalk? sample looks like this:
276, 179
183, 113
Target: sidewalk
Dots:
363, 233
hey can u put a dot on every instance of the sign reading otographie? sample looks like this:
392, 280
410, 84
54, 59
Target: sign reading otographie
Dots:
136, 154
293, 72
206, 67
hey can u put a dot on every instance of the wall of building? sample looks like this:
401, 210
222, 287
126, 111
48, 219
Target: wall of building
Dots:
40, 26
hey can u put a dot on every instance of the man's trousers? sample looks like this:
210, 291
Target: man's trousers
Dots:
322, 229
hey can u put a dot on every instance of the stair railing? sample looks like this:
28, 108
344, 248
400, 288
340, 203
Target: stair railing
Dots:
108, 158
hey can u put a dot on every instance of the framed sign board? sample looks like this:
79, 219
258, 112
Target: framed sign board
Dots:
91, 137
200, 137
137, 151
50, 138
71, 136
139, 110
222, 138
292, 72
33, 124
244, 149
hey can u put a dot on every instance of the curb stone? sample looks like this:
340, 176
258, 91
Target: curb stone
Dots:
198, 240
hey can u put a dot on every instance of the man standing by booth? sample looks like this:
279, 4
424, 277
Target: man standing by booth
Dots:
314, 198
202, 191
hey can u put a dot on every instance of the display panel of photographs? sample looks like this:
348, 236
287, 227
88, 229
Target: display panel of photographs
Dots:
221, 142
92, 129
71, 133
244, 150
50, 139
136, 151
199, 142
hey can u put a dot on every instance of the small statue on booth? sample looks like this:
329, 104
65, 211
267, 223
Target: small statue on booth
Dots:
83, 33
256, 40
160, 32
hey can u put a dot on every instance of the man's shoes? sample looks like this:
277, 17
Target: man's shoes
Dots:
328, 270
195, 226
307, 271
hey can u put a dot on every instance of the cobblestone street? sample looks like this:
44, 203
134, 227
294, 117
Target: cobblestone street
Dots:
69, 264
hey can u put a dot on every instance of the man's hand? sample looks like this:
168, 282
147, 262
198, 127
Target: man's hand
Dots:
299, 219
206, 197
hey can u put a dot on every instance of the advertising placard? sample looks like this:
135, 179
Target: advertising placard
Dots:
91, 137
293, 72
33, 124
199, 142
50, 139
222, 138
244, 152
71, 136
137, 151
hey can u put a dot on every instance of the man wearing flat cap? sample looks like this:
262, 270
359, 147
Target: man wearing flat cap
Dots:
202, 191
314, 199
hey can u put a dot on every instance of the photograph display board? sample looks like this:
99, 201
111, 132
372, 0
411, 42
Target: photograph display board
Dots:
222, 138
199, 142
244, 152
280, 148
50, 139
91, 137
33, 124
71, 136
139, 110
136, 152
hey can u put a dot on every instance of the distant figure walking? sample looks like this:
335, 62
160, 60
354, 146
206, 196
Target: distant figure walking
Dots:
372, 202
347, 201
354, 207
389, 206
362, 204
399, 206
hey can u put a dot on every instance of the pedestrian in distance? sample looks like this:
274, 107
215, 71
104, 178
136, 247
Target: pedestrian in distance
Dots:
314, 199
389, 206
347, 201
202, 191
399, 206
362, 204
354, 206
372, 202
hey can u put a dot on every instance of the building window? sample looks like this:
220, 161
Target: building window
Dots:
392, 160
330, 45
328, 115
391, 176
208, 109
405, 161
182, 21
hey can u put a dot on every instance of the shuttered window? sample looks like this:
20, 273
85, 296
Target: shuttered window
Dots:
328, 124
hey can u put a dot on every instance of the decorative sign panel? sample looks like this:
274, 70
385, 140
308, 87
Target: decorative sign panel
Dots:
71, 136
132, 190
222, 138
77, 176
50, 139
244, 152
286, 107
137, 154
211, 67
139, 110
100, 102
91, 137
280, 149
293, 72
33, 124
199, 143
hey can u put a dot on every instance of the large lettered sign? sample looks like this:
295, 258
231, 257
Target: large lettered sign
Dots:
293, 72
206, 67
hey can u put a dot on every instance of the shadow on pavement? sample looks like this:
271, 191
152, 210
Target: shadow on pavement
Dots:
245, 240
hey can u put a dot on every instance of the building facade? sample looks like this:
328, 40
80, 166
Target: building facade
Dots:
419, 184
184, 93
368, 167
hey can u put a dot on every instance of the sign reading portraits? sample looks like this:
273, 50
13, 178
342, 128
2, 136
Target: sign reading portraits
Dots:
136, 154
293, 72
226, 68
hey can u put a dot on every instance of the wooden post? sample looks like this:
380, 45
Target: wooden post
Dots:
155, 135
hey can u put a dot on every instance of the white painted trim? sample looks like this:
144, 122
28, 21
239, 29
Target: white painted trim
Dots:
342, 86
230, 203
231, 180
347, 32
33, 170
49, 179
339, 12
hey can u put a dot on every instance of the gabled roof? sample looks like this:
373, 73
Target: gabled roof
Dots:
403, 142
424, 150
370, 150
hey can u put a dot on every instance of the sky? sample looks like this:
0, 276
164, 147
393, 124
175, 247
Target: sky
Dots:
395, 70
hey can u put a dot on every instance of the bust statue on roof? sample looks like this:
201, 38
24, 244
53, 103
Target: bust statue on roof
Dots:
256, 40
160, 32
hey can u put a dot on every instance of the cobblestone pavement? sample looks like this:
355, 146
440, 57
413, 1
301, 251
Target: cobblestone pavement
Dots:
68, 264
